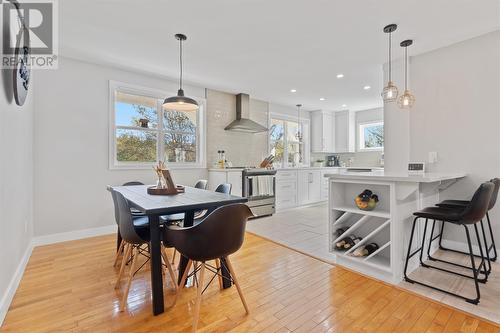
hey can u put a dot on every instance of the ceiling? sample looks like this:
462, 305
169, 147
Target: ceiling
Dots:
266, 48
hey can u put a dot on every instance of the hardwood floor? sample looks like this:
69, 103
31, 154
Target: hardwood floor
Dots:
68, 287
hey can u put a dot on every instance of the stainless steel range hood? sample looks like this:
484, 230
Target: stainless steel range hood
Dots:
242, 122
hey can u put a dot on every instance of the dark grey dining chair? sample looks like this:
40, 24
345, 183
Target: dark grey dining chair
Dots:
133, 237
219, 235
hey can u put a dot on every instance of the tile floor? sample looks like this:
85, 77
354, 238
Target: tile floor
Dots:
306, 230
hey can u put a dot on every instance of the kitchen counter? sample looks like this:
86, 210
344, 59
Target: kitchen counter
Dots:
398, 177
300, 168
389, 224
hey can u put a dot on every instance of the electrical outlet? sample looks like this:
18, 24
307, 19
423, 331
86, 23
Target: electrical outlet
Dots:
433, 157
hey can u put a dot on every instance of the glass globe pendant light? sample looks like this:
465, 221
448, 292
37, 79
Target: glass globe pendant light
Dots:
299, 134
180, 102
406, 100
390, 92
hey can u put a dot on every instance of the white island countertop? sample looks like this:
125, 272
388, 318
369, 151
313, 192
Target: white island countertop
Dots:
430, 177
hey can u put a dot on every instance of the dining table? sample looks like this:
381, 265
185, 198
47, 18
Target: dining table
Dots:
190, 201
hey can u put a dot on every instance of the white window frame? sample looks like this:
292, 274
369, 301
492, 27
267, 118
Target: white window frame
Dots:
127, 88
305, 138
361, 135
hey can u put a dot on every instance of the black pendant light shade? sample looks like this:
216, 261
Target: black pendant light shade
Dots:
180, 102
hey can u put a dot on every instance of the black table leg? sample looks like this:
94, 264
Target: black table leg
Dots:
188, 222
226, 281
156, 269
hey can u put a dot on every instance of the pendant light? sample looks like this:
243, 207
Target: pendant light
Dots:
390, 92
406, 100
299, 134
180, 102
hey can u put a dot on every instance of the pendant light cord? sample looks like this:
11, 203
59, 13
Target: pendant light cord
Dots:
390, 56
406, 67
180, 62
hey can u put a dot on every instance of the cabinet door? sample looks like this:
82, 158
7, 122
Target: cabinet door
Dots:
328, 133
236, 180
317, 141
345, 135
314, 186
324, 186
303, 180
215, 178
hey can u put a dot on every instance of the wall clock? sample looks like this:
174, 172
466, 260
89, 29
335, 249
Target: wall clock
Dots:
22, 68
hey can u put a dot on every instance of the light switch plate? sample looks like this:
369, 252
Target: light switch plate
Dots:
433, 157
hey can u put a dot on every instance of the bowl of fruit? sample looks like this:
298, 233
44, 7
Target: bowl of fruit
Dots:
366, 200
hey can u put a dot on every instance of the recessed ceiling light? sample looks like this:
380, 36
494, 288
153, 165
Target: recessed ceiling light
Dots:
322, 99
293, 90
344, 105
339, 76
367, 87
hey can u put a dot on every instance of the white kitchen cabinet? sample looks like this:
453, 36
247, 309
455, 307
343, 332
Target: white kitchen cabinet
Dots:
233, 177
323, 132
324, 185
308, 186
286, 189
345, 132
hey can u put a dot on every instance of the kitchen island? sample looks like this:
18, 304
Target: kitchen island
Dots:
388, 225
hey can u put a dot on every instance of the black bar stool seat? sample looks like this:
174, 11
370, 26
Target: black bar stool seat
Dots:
467, 216
441, 214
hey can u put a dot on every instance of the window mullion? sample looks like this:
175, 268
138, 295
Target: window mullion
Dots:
160, 139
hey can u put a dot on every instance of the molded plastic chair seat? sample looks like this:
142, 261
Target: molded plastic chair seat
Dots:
441, 214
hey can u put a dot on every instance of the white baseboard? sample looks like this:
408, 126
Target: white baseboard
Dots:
460, 246
14, 283
45, 240
74, 235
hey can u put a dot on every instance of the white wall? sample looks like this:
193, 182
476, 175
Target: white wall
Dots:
457, 114
16, 186
71, 146
242, 149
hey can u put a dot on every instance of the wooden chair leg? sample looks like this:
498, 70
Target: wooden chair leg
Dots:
198, 298
173, 257
120, 249
217, 265
183, 280
169, 267
231, 270
131, 275
126, 255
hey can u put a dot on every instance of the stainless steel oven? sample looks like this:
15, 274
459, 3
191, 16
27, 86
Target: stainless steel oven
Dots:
259, 186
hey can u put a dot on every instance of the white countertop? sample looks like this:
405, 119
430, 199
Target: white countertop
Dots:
300, 168
431, 177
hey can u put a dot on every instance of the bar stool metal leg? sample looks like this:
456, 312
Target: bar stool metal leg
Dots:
493, 245
420, 250
485, 271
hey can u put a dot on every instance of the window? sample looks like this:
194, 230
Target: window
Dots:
143, 132
284, 144
371, 136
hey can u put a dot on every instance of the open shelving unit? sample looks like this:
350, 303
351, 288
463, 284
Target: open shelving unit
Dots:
372, 226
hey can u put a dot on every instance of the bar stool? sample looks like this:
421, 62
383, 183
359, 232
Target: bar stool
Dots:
461, 204
472, 214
